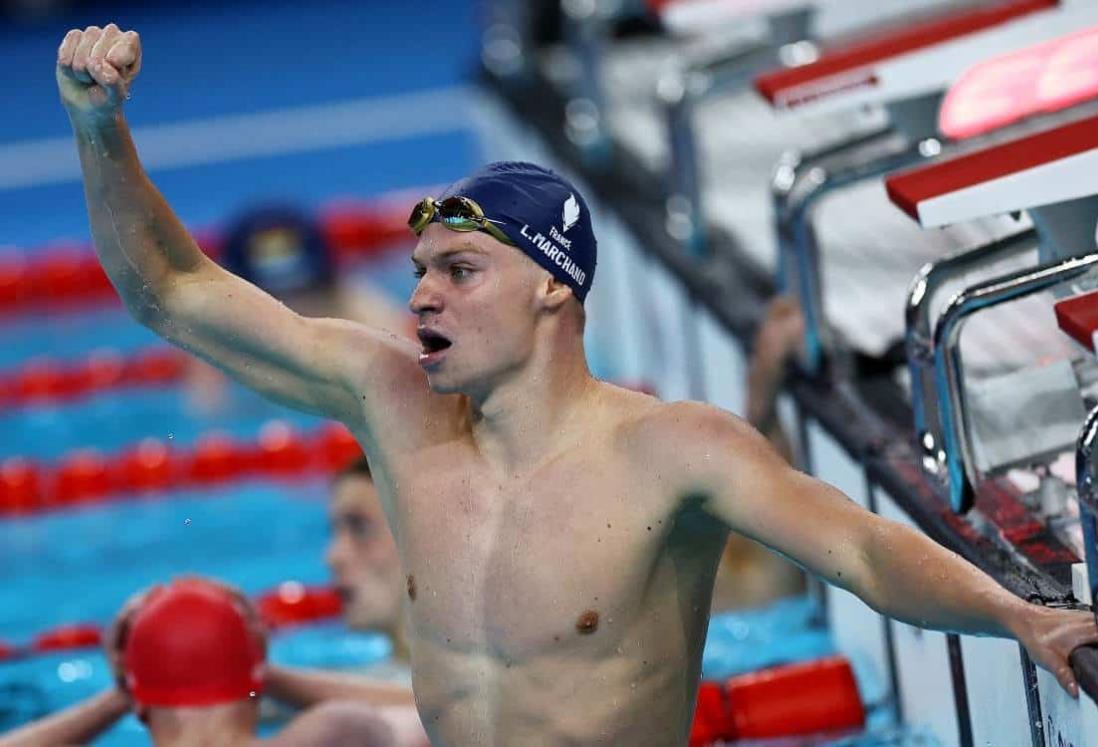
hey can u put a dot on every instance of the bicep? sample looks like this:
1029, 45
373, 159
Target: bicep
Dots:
755, 492
308, 364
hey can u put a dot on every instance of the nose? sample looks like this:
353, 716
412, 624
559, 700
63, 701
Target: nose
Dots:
335, 554
426, 297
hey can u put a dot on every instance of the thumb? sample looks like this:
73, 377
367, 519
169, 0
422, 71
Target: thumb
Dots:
114, 85
1066, 678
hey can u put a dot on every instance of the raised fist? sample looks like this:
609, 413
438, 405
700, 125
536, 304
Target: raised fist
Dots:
95, 68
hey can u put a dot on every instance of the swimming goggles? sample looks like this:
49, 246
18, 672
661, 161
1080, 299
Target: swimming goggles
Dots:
456, 213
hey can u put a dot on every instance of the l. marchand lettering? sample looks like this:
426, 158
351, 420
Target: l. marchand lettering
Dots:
556, 254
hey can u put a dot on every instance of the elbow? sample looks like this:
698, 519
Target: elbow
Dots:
147, 310
861, 577
874, 581
151, 306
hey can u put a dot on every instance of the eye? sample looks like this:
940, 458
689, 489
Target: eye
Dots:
459, 272
419, 272
359, 526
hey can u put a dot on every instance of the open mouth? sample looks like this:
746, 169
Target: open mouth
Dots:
434, 345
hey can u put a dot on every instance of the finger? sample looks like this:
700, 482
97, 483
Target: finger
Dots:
83, 50
103, 44
68, 47
103, 73
1066, 678
125, 54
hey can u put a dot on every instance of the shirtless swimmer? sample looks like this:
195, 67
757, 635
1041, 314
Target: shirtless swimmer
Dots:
559, 534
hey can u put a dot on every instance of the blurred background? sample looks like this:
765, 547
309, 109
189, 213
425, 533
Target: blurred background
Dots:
292, 139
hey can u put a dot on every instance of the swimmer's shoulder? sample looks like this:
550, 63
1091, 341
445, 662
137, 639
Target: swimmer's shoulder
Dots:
673, 435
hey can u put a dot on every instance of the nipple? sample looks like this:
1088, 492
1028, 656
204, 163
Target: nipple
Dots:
588, 622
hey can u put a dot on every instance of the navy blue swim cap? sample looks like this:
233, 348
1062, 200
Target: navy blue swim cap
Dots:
542, 212
280, 249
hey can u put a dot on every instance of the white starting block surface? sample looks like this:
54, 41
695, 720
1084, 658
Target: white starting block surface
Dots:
1053, 166
923, 58
832, 16
854, 66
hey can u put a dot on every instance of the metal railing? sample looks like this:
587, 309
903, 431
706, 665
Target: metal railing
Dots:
961, 471
919, 335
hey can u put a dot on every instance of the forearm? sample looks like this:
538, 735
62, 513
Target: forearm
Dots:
76, 725
916, 580
141, 244
305, 688
762, 412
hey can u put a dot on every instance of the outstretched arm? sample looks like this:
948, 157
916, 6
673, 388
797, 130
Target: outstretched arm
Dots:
78, 724
166, 281
896, 570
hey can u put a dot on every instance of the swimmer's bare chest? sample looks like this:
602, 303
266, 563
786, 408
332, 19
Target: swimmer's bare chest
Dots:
513, 564
547, 594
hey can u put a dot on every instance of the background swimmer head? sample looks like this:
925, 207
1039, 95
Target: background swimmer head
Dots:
281, 249
192, 655
362, 554
485, 310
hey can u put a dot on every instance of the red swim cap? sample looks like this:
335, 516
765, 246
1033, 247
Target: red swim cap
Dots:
190, 645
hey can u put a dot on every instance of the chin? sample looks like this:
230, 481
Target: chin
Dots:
356, 620
440, 383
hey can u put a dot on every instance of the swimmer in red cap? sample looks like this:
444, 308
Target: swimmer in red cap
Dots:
190, 658
559, 535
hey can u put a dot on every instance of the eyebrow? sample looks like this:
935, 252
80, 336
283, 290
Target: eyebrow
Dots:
450, 253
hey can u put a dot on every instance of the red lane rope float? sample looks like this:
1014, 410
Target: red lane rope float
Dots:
68, 637
68, 275
150, 466
46, 381
791, 700
290, 603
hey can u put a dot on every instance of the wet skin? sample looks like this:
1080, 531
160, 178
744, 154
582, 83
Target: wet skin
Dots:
563, 606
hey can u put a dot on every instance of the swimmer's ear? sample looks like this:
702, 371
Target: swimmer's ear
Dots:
554, 294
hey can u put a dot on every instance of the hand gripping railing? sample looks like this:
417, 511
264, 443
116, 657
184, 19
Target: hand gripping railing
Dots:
919, 335
948, 371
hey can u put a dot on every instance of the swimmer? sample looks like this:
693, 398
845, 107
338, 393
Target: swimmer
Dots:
750, 575
559, 535
366, 570
190, 662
